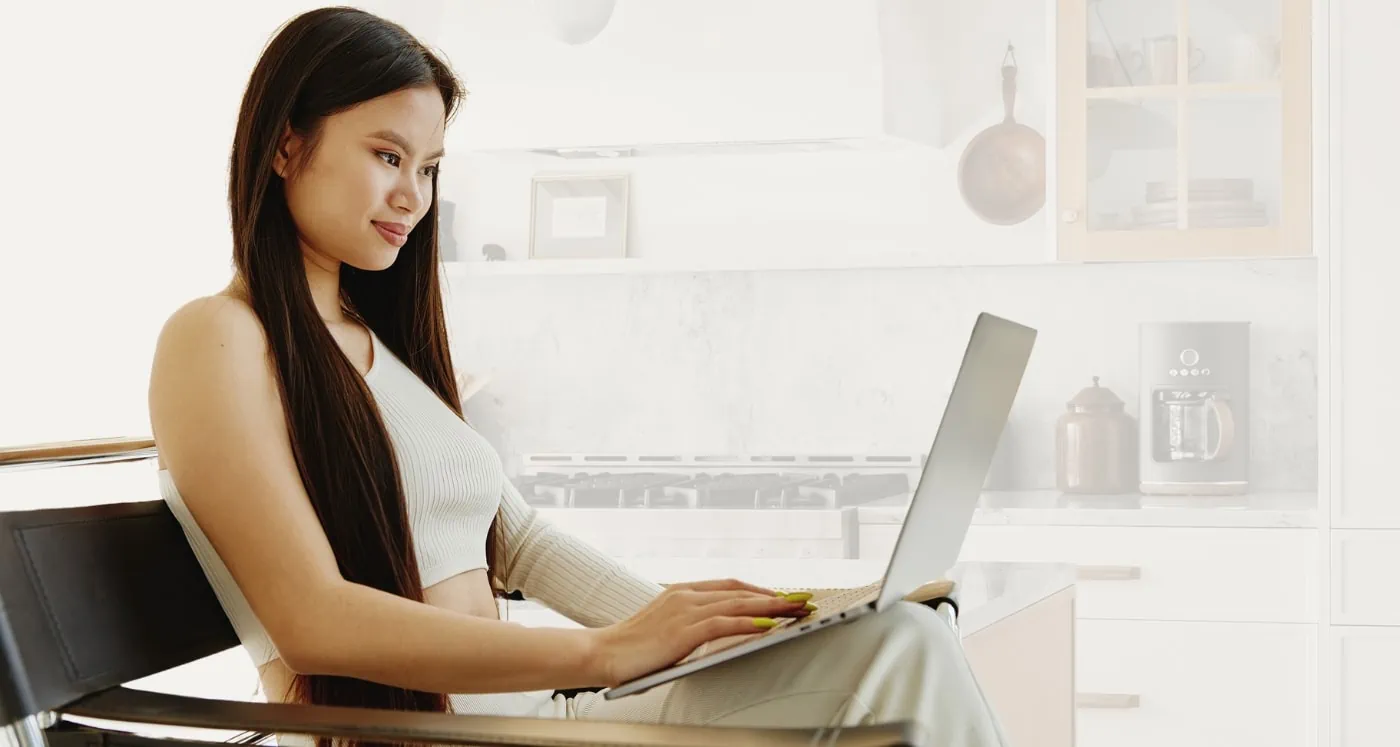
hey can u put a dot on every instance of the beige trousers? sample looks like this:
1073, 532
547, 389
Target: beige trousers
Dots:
905, 663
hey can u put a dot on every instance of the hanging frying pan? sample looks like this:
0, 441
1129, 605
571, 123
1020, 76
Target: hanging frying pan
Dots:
1002, 172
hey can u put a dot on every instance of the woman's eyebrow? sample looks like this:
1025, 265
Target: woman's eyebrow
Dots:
402, 142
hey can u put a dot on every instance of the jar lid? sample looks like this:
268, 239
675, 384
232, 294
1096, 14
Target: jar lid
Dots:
1095, 398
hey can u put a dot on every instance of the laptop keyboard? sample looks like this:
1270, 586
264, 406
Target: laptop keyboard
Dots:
826, 601
843, 599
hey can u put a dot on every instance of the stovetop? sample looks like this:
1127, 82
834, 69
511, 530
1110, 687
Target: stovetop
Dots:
756, 482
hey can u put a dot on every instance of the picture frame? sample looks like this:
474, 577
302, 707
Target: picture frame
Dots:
579, 216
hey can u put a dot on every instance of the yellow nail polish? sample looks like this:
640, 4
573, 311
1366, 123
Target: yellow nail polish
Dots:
809, 607
764, 622
798, 596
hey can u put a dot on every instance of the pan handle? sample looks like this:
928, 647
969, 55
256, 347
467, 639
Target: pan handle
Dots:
1008, 83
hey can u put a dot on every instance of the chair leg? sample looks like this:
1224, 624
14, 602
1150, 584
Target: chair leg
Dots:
24, 733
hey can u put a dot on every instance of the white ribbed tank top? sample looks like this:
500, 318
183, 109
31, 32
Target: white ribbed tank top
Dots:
452, 481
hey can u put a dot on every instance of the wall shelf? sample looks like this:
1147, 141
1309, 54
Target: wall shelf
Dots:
648, 266
657, 266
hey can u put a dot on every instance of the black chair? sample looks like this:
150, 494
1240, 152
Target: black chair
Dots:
94, 597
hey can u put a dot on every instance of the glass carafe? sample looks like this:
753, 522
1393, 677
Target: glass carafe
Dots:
1192, 425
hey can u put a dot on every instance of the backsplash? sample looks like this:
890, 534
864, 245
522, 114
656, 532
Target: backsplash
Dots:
859, 362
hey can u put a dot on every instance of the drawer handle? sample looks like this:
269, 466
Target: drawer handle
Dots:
1106, 700
1109, 573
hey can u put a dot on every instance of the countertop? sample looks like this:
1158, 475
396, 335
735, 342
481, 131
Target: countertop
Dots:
986, 592
997, 508
990, 592
1052, 508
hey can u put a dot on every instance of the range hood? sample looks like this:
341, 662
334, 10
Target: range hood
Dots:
678, 77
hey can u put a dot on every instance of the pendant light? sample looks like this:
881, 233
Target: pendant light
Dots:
575, 21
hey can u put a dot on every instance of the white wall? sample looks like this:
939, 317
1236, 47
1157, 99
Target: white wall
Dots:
859, 362
120, 215
118, 118
681, 70
829, 204
807, 361
787, 69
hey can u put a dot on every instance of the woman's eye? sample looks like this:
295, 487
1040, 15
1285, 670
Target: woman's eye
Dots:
394, 160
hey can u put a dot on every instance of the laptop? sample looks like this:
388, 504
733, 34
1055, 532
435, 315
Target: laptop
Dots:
940, 510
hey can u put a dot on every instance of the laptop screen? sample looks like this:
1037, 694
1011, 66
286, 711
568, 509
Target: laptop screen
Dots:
956, 468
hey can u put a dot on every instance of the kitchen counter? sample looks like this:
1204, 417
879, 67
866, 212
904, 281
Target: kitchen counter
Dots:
988, 593
1052, 508
834, 532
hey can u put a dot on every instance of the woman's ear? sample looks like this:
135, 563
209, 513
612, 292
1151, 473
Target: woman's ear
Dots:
287, 147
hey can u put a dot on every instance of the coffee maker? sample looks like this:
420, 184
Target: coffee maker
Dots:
1193, 415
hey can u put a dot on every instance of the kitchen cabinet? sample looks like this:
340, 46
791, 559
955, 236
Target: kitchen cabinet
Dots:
1207, 99
1360, 305
1362, 691
1146, 573
1166, 684
1363, 565
1183, 634
1363, 304
1193, 625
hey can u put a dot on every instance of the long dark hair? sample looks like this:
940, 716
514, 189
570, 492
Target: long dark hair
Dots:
320, 63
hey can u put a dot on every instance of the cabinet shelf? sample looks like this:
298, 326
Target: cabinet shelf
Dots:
1223, 134
1163, 244
1190, 90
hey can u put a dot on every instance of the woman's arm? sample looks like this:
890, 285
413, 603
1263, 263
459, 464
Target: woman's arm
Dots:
565, 573
217, 419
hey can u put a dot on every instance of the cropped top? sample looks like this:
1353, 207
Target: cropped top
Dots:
453, 485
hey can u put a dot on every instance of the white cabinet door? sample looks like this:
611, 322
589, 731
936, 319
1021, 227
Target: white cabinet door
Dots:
1366, 687
1168, 684
1158, 573
1367, 301
1364, 564
1364, 672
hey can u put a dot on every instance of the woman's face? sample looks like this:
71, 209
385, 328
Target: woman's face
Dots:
369, 179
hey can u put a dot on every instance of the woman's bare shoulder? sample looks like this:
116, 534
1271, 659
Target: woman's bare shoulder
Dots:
218, 314
210, 345
220, 327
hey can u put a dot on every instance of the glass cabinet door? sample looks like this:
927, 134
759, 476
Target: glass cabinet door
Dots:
1184, 129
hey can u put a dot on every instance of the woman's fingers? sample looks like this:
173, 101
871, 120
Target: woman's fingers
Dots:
753, 606
690, 598
712, 628
695, 600
723, 584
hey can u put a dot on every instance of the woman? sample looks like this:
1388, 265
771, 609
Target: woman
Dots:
358, 531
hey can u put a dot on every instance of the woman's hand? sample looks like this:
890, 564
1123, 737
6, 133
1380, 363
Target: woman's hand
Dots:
683, 617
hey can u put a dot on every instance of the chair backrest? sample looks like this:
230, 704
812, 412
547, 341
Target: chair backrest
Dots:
96, 596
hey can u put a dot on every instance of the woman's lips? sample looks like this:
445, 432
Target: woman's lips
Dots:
394, 233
